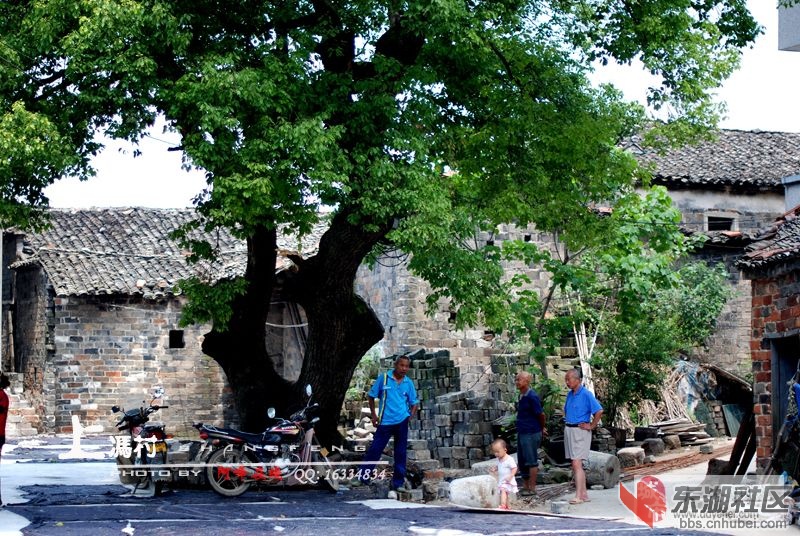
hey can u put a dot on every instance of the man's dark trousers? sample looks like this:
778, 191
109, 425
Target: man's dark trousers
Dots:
380, 439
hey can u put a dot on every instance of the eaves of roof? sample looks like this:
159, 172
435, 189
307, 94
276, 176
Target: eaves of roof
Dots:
737, 160
130, 252
780, 243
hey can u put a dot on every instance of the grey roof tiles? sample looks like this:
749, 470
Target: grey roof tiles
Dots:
779, 243
745, 160
128, 251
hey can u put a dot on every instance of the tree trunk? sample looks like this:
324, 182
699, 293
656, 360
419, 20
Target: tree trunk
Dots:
241, 349
341, 327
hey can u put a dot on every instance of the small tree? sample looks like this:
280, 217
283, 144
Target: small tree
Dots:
638, 351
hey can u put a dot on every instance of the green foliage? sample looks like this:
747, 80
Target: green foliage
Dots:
640, 349
368, 107
364, 374
634, 362
699, 300
550, 392
210, 302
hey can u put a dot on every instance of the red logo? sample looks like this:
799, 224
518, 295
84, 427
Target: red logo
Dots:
650, 502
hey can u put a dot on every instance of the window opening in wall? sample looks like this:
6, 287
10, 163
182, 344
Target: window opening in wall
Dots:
717, 223
176, 338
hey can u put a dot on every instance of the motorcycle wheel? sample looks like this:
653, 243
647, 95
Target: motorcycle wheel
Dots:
158, 483
329, 482
125, 476
142, 482
224, 482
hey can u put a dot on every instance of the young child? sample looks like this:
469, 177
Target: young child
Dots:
506, 471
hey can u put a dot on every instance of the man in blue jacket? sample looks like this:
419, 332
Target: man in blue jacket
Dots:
397, 403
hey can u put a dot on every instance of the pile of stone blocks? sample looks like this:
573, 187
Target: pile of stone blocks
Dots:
360, 435
603, 441
462, 428
717, 417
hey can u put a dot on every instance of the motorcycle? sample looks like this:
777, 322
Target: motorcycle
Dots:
144, 448
287, 453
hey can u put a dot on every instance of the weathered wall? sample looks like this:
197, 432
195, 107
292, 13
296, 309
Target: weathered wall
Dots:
114, 351
398, 299
775, 318
750, 212
30, 328
729, 345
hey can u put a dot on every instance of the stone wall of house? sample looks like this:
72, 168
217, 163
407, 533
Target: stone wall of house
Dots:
776, 314
729, 345
32, 341
398, 298
114, 351
749, 211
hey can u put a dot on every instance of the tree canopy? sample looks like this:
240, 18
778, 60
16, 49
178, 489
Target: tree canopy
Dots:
417, 121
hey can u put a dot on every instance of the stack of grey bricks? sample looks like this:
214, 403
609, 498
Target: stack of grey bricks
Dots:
453, 427
463, 424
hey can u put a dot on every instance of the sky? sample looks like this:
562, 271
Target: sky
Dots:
762, 95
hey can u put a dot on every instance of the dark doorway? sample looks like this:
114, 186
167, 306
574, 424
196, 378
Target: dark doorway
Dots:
785, 356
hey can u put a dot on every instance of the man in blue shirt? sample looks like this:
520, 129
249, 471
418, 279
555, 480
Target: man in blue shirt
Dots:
530, 426
582, 413
397, 403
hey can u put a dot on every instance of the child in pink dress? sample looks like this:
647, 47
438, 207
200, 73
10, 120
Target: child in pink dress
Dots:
506, 471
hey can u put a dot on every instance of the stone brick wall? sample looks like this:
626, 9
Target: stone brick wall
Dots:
775, 314
729, 345
398, 298
114, 351
32, 341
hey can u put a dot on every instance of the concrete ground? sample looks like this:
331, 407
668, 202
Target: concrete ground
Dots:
606, 503
35, 462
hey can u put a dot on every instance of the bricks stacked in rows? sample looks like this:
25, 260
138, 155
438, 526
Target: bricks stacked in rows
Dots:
453, 426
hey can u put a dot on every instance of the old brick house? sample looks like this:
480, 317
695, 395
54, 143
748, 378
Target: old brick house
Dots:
773, 265
91, 313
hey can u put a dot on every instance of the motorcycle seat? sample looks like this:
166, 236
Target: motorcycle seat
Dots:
153, 424
233, 433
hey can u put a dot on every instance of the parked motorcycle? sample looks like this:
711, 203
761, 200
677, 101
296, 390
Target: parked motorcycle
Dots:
287, 453
143, 452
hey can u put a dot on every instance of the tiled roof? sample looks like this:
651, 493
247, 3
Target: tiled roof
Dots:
779, 243
745, 160
128, 251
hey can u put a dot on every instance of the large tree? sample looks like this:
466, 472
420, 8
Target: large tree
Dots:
416, 121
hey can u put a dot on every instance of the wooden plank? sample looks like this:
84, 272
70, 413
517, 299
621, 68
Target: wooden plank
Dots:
733, 418
742, 439
748, 454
